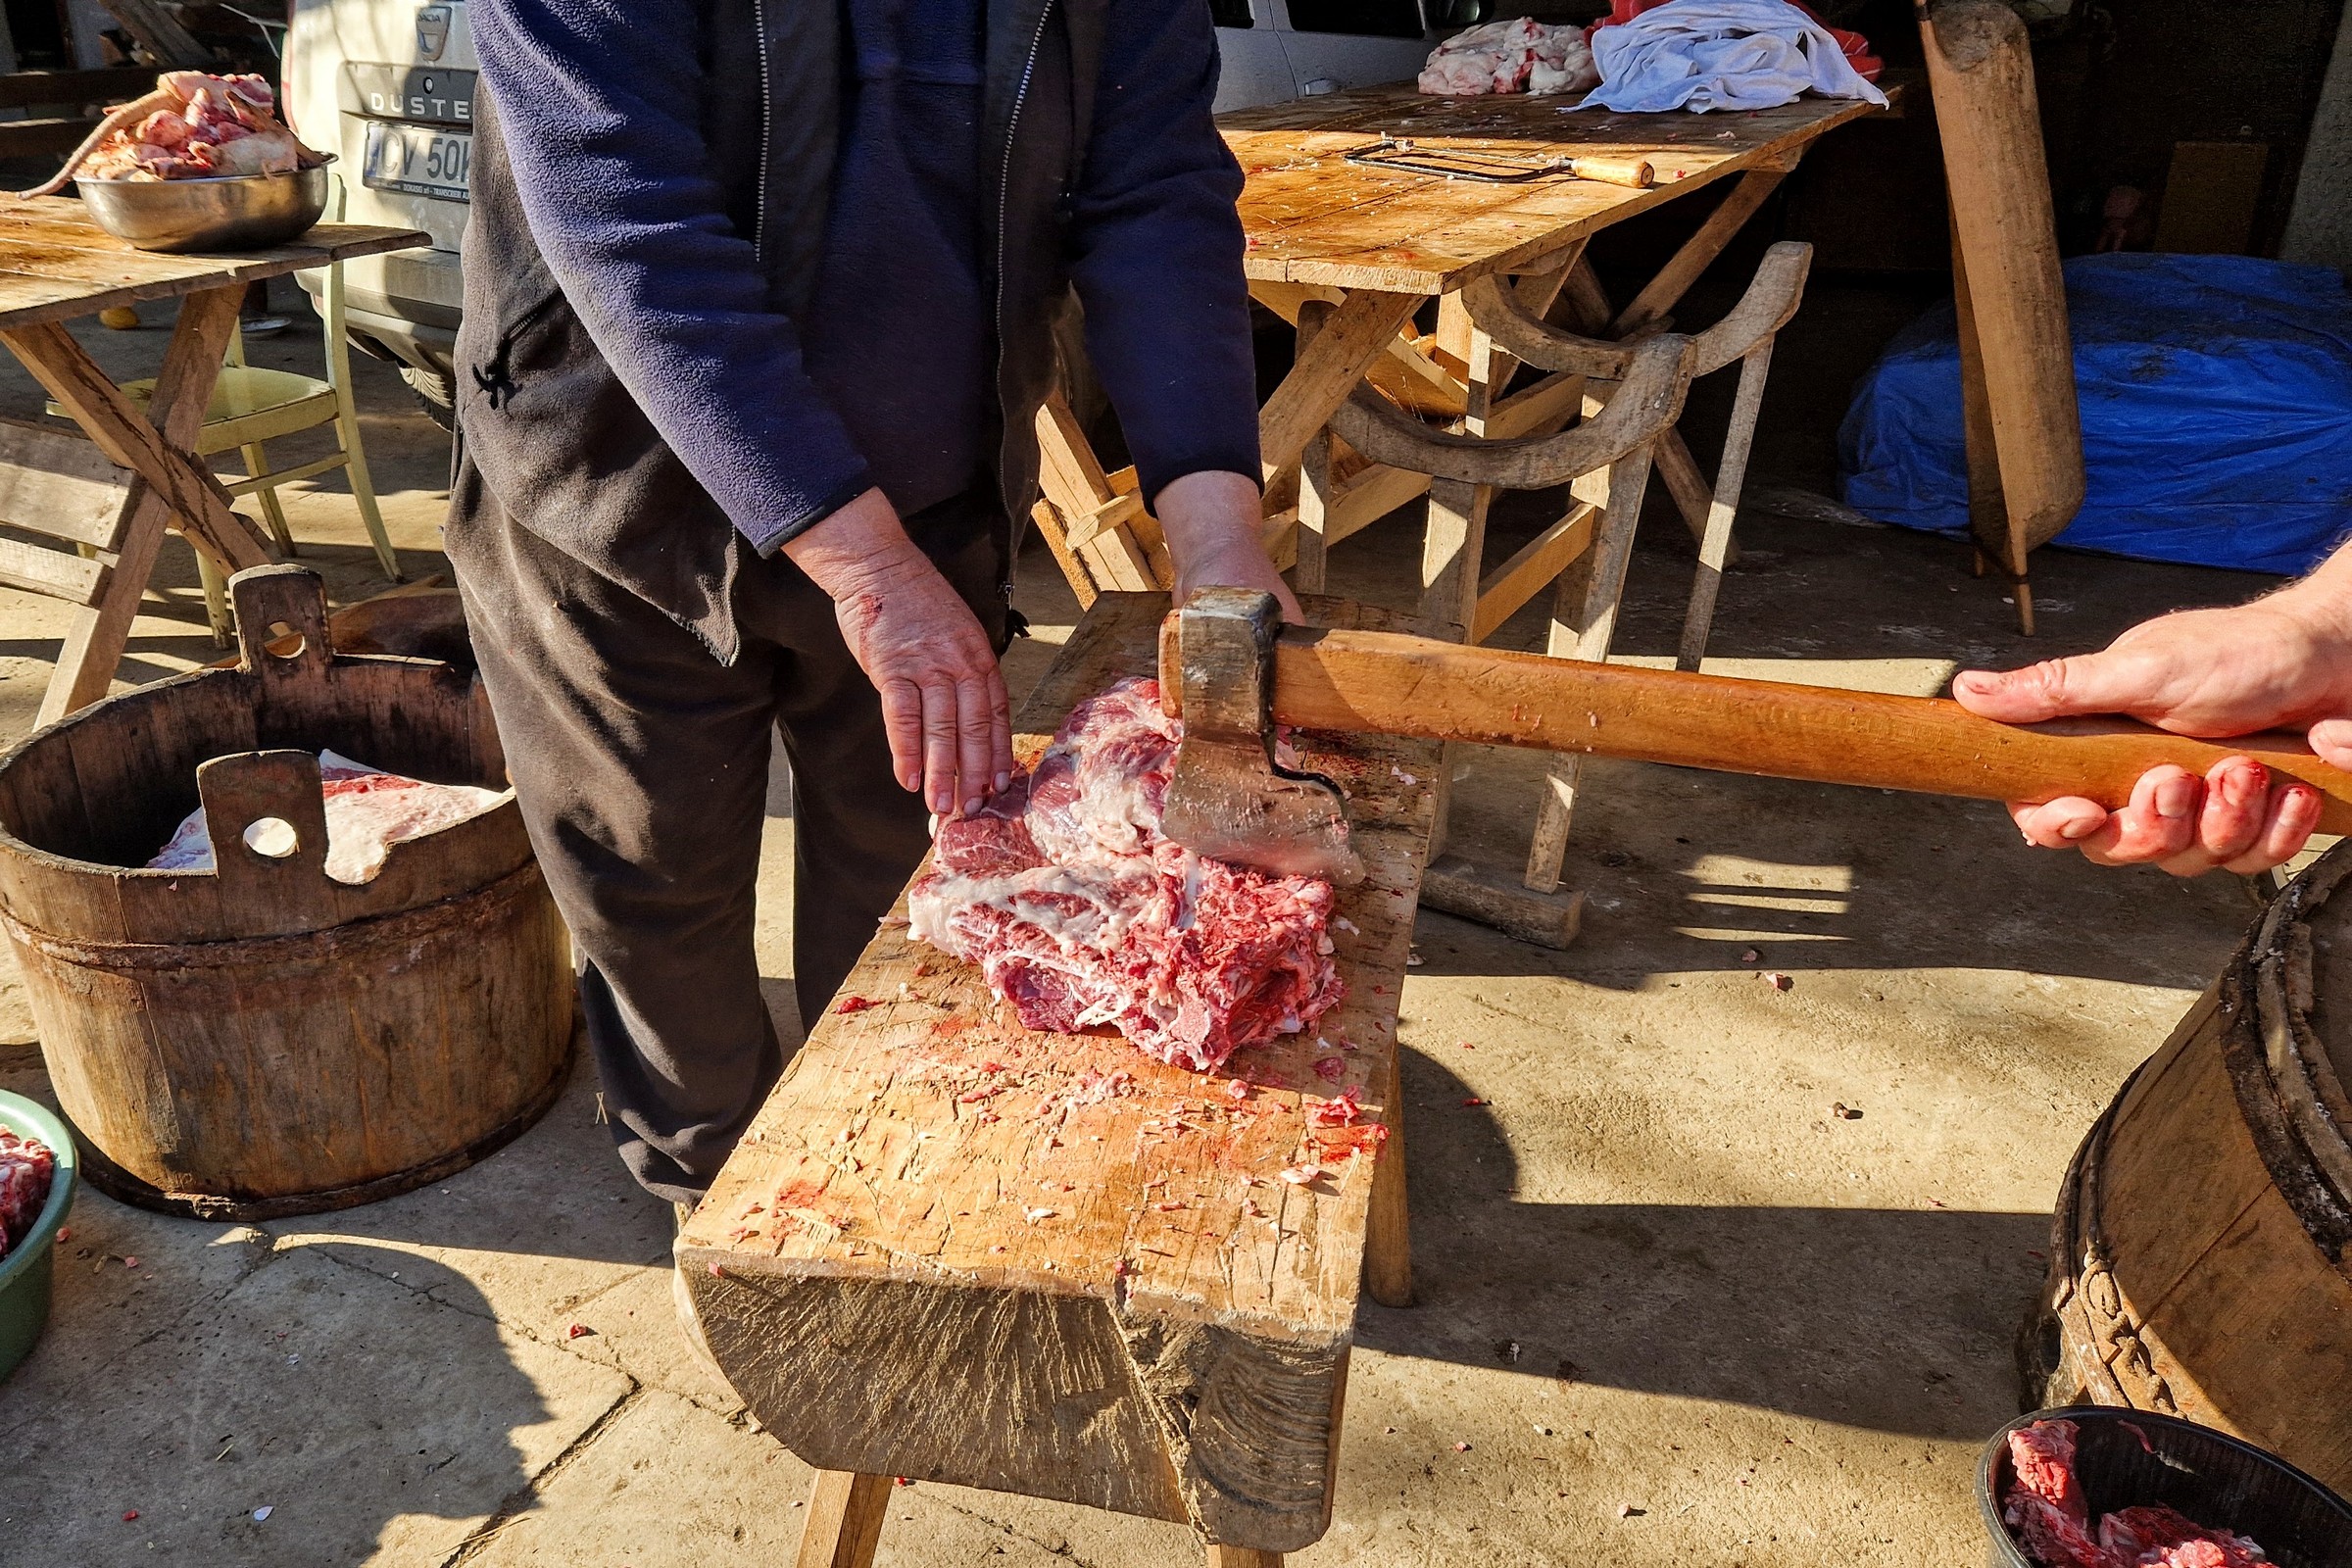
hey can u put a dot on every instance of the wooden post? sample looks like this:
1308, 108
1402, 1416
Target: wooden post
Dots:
845, 1520
2005, 237
1715, 547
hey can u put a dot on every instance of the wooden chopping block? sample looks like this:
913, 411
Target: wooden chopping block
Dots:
2011, 293
953, 1249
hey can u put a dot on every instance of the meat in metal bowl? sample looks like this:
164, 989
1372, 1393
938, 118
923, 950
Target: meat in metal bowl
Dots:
227, 213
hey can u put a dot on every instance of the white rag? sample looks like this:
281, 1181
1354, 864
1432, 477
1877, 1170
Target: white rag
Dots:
1720, 54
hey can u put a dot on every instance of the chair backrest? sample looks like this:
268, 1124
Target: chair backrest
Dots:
1646, 403
1771, 298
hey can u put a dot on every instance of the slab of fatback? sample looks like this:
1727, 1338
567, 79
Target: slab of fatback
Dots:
953, 1249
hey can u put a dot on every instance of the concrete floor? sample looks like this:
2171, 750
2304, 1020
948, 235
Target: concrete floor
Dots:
1678, 1311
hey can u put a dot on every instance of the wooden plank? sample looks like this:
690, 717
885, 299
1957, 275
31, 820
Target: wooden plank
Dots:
53, 481
2210, 193
160, 34
42, 138
1981, 72
1674, 280
1330, 364
117, 85
121, 431
1315, 219
58, 573
845, 1520
54, 264
1505, 590
944, 1233
93, 642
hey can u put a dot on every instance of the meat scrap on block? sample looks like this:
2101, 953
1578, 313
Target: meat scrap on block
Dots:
2045, 1511
1080, 913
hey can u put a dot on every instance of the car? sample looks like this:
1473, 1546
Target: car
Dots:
388, 87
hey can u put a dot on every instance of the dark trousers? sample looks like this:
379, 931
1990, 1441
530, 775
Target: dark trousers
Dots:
641, 765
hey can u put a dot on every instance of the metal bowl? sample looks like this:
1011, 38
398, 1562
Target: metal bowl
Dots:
233, 212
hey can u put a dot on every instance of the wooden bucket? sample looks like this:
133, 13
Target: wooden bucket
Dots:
262, 1040
2199, 1261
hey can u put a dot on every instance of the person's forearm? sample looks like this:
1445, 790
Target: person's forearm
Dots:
2323, 600
1203, 513
863, 548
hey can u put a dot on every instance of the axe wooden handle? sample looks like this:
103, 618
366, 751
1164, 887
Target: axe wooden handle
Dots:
1381, 683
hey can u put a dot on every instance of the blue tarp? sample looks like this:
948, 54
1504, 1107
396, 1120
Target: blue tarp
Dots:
2217, 413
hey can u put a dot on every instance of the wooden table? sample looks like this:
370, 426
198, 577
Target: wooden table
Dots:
114, 496
953, 1249
1379, 244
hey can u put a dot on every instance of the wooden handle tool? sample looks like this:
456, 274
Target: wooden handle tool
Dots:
1633, 172
1232, 671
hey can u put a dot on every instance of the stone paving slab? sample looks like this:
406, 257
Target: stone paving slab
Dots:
378, 1420
670, 1484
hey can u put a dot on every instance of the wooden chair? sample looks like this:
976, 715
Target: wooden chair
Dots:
1745, 335
251, 404
1606, 462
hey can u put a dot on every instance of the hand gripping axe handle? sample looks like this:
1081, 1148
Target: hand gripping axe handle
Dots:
1232, 671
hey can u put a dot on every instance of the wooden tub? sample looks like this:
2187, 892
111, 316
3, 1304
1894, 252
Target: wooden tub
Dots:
2201, 1261
263, 1039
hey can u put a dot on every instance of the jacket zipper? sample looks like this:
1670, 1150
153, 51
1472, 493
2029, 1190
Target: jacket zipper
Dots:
1012, 126
768, 136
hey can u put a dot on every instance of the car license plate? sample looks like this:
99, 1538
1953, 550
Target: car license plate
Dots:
419, 160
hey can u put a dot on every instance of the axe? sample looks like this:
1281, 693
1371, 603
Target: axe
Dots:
1232, 671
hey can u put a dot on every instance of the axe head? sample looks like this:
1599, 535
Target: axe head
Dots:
1229, 798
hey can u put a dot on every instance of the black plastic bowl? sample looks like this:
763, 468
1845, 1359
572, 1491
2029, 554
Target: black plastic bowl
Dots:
2210, 1476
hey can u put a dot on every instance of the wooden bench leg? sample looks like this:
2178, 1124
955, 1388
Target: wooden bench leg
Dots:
1243, 1557
845, 1520
1715, 547
1387, 1233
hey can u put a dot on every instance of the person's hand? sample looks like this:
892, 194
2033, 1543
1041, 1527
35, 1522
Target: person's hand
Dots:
942, 696
1213, 521
2280, 663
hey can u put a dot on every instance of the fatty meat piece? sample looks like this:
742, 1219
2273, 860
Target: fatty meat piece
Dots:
1507, 56
2158, 1536
26, 1169
1080, 913
2044, 1509
367, 812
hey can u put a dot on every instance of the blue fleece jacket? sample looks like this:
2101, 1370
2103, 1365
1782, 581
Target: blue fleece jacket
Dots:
887, 381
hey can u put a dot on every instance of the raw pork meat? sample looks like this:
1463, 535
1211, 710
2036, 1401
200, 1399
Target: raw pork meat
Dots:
26, 1166
193, 126
1519, 56
367, 812
2045, 1511
1079, 913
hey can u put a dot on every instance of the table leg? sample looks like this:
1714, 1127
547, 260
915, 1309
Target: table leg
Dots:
1673, 280
845, 1520
1243, 1557
1387, 1230
1714, 550
1588, 638
161, 454
1354, 334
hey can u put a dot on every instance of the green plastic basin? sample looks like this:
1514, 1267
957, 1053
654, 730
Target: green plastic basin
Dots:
24, 1273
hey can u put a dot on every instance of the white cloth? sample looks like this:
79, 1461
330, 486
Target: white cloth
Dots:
1520, 56
1720, 54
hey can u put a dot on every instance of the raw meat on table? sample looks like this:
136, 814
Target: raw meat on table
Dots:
26, 1169
194, 126
367, 812
1503, 57
2045, 1512
1079, 912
